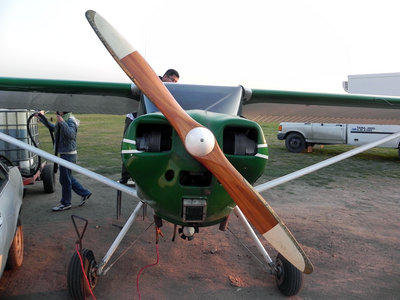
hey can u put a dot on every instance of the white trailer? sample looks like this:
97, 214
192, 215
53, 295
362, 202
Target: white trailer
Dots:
298, 136
374, 84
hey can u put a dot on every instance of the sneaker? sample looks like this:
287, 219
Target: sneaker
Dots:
84, 198
61, 207
123, 180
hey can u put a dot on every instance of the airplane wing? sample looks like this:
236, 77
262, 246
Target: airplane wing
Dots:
279, 106
262, 106
65, 95
289, 97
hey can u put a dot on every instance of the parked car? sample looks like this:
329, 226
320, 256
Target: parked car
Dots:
11, 233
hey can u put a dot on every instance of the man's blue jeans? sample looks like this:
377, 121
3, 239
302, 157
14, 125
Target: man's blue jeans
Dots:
69, 183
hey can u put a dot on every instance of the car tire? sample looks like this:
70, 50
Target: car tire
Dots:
16, 252
295, 142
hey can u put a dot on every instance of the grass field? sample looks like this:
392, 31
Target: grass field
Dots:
375, 162
99, 142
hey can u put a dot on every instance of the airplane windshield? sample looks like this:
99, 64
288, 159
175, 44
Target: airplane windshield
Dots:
220, 99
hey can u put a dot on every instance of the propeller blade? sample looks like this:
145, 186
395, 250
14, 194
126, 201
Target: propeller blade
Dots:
201, 144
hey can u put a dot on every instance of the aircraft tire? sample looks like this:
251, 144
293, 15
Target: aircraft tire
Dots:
288, 279
77, 286
16, 252
295, 142
48, 178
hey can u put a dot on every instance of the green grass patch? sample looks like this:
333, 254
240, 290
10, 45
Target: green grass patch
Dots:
381, 162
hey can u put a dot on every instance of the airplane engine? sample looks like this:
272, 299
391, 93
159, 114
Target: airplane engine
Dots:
162, 168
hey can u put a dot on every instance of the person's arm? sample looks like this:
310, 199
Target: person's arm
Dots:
45, 121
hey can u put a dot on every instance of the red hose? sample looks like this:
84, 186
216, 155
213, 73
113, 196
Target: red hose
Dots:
83, 271
145, 267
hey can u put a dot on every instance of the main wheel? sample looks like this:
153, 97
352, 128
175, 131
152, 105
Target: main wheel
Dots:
48, 178
76, 281
16, 252
295, 142
288, 279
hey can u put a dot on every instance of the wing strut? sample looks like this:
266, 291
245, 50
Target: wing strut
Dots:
69, 165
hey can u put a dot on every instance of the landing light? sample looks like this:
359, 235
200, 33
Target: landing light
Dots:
188, 231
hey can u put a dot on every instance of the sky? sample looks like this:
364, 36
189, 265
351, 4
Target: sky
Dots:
300, 45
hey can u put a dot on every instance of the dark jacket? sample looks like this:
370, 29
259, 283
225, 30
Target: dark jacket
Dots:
65, 134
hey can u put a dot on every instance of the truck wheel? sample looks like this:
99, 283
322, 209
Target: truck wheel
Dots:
48, 178
295, 142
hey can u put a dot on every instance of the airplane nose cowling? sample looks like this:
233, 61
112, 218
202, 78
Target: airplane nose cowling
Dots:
164, 171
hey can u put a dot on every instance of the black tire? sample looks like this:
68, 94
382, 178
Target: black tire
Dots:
77, 286
48, 178
288, 278
295, 142
16, 252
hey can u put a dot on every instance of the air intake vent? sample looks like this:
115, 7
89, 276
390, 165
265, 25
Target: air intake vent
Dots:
154, 137
195, 178
240, 141
194, 210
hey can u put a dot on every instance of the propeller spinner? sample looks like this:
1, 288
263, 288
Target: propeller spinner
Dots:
201, 144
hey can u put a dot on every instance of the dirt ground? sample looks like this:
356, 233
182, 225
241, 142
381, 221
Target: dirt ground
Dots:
350, 231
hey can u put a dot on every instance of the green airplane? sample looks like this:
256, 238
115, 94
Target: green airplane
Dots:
192, 156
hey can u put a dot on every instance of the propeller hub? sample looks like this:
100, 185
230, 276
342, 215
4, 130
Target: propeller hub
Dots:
199, 141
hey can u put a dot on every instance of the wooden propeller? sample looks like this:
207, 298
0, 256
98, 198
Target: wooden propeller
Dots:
201, 144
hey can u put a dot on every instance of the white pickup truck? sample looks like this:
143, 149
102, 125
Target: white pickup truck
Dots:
298, 136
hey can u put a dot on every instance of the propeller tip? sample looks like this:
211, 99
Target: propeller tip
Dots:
90, 14
308, 269
110, 37
283, 241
